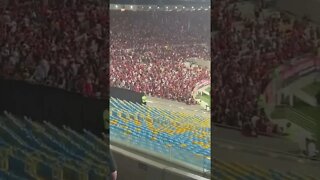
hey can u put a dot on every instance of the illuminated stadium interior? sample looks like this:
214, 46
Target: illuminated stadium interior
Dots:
162, 50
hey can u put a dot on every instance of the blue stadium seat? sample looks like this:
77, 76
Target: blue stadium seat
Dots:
153, 129
42, 151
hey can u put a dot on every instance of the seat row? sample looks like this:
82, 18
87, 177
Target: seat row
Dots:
178, 136
42, 151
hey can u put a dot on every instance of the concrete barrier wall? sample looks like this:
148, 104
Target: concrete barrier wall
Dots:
132, 166
54, 105
125, 94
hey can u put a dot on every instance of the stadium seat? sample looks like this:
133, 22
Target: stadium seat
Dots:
153, 129
42, 151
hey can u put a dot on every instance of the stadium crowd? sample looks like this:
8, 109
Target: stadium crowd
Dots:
64, 44
245, 51
59, 43
149, 50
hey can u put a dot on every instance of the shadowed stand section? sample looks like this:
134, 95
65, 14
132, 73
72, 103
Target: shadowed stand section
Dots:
42, 151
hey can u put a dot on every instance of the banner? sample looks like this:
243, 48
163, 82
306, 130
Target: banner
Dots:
201, 84
299, 68
285, 74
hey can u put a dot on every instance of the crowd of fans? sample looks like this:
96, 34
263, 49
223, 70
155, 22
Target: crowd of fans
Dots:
131, 29
64, 44
61, 43
245, 50
149, 50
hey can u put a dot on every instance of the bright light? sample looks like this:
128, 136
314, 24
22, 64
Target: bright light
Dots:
149, 7
206, 9
116, 6
167, 7
131, 7
176, 7
192, 7
183, 7
158, 7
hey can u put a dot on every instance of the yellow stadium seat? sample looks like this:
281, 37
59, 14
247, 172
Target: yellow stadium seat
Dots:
183, 145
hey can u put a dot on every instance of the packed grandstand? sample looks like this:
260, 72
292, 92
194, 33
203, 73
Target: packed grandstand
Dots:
156, 51
57, 44
65, 45
61, 44
146, 57
250, 40
258, 52
246, 49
